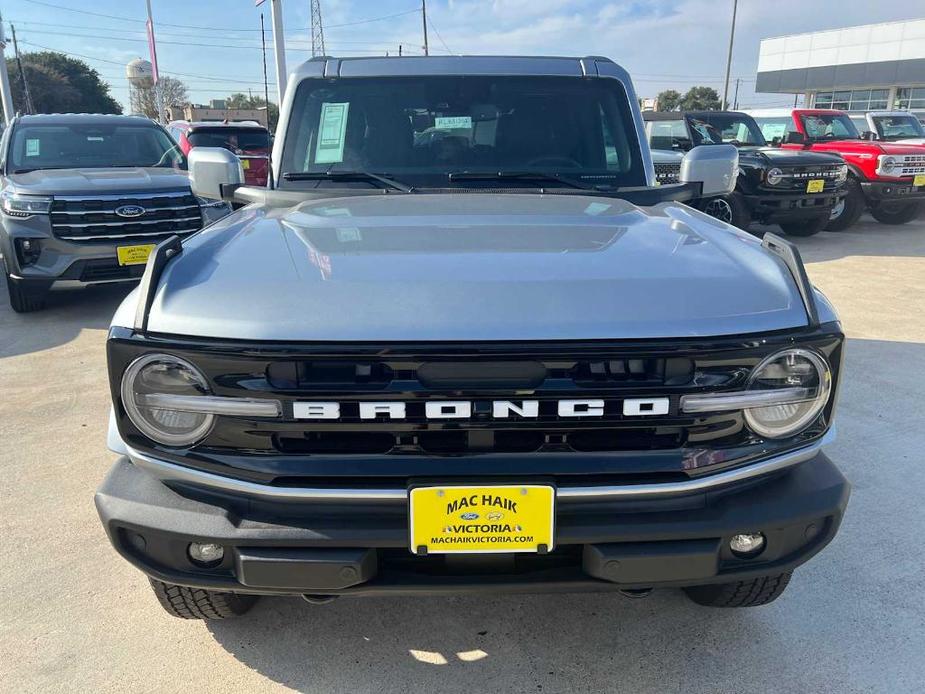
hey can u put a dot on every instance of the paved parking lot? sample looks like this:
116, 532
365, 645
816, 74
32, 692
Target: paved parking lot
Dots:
76, 617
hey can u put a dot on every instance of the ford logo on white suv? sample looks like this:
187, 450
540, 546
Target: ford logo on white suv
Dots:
130, 211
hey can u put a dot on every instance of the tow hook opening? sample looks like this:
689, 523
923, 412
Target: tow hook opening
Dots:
318, 599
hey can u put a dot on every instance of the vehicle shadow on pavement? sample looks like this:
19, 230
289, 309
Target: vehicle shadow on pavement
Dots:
67, 312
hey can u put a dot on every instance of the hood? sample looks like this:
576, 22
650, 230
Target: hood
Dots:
774, 156
667, 156
918, 141
99, 181
428, 267
865, 147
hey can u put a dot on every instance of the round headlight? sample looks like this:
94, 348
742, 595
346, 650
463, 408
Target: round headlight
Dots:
842, 174
887, 164
775, 176
163, 374
801, 371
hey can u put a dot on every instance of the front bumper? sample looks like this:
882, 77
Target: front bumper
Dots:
776, 208
360, 546
892, 191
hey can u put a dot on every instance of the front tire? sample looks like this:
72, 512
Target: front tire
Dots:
26, 297
849, 210
196, 603
757, 591
730, 209
897, 213
805, 227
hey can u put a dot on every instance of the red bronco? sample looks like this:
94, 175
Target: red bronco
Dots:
886, 178
249, 140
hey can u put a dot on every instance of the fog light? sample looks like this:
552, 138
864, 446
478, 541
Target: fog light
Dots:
747, 544
206, 553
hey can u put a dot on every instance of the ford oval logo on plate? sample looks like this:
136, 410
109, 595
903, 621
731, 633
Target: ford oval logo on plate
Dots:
130, 211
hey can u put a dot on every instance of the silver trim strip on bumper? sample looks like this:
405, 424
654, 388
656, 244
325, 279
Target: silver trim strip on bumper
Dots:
170, 472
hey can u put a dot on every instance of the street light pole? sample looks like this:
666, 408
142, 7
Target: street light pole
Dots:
279, 47
732, 33
424, 18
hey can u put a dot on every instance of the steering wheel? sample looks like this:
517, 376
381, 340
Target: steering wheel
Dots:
567, 161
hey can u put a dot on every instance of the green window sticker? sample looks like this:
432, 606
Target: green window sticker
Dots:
331, 132
32, 148
453, 122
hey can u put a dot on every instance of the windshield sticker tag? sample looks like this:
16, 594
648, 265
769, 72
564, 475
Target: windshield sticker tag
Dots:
331, 132
596, 208
32, 148
453, 122
348, 234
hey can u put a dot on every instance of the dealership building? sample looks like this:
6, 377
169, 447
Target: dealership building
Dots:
864, 68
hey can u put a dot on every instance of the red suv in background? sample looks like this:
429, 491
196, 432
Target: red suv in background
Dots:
886, 178
248, 140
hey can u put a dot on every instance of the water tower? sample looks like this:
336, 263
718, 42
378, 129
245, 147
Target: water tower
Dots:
140, 77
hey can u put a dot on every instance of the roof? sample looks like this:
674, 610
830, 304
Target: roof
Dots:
84, 119
374, 66
678, 115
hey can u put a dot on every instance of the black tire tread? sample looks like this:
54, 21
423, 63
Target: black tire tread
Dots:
22, 301
903, 216
196, 603
855, 205
804, 228
751, 593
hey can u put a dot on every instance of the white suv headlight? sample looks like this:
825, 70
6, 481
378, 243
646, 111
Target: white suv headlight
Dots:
887, 164
842, 174
774, 177
19, 205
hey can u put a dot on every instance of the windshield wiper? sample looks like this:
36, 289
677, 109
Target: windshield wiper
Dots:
521, 176
347, 176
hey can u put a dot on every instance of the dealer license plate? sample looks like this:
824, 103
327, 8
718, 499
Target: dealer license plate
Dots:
468, 520
245, 164
134, 255
919, 180
816, 185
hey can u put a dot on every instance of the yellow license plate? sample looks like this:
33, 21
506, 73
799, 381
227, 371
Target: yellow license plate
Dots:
134, 255
245, 164
919, 180
816, 185
468, 520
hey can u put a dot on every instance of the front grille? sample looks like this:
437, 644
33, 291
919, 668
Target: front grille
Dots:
913, 164
796, 177
668, 173
90, 218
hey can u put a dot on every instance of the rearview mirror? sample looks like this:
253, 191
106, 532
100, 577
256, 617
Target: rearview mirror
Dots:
210, 168
794, 138
715, 167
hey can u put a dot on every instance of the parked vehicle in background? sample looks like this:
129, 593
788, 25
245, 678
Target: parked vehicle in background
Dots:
508, 363
886, 178
248, 140
667, 167
797, 190
86, 197
891, 126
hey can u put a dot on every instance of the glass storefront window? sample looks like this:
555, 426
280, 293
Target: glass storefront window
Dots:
855, 100
910, 98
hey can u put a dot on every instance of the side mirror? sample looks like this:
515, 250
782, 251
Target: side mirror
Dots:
210, 168
869, 135
715, 167
794, 138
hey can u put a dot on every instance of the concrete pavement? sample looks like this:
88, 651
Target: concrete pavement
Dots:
75, 617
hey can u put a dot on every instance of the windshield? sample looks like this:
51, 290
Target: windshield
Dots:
238, 140
829, 126
92, 146
421, 129
896, 127
728, 128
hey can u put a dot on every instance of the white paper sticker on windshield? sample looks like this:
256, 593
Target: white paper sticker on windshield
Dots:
331, 132
453, 122
32, 148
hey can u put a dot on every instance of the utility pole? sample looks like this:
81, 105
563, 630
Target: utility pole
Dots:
7, 96
27, 97
735, 99
279, 47
732, 33
317, 30
424, 18
266, 84
152, 49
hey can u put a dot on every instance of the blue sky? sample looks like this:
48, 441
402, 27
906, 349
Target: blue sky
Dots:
213, 45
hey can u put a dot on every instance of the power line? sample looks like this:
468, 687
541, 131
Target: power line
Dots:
431, 23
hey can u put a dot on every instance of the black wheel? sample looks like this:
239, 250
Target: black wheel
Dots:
758, 591
26, 297
730, 209
896, 212
195, 603
849, 209
805, 227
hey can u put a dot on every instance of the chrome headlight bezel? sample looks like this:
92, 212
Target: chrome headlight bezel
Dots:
812, 405
842, 174
22, 205
886, 163
774, 176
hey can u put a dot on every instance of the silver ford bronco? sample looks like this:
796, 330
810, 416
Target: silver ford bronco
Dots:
463, 342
